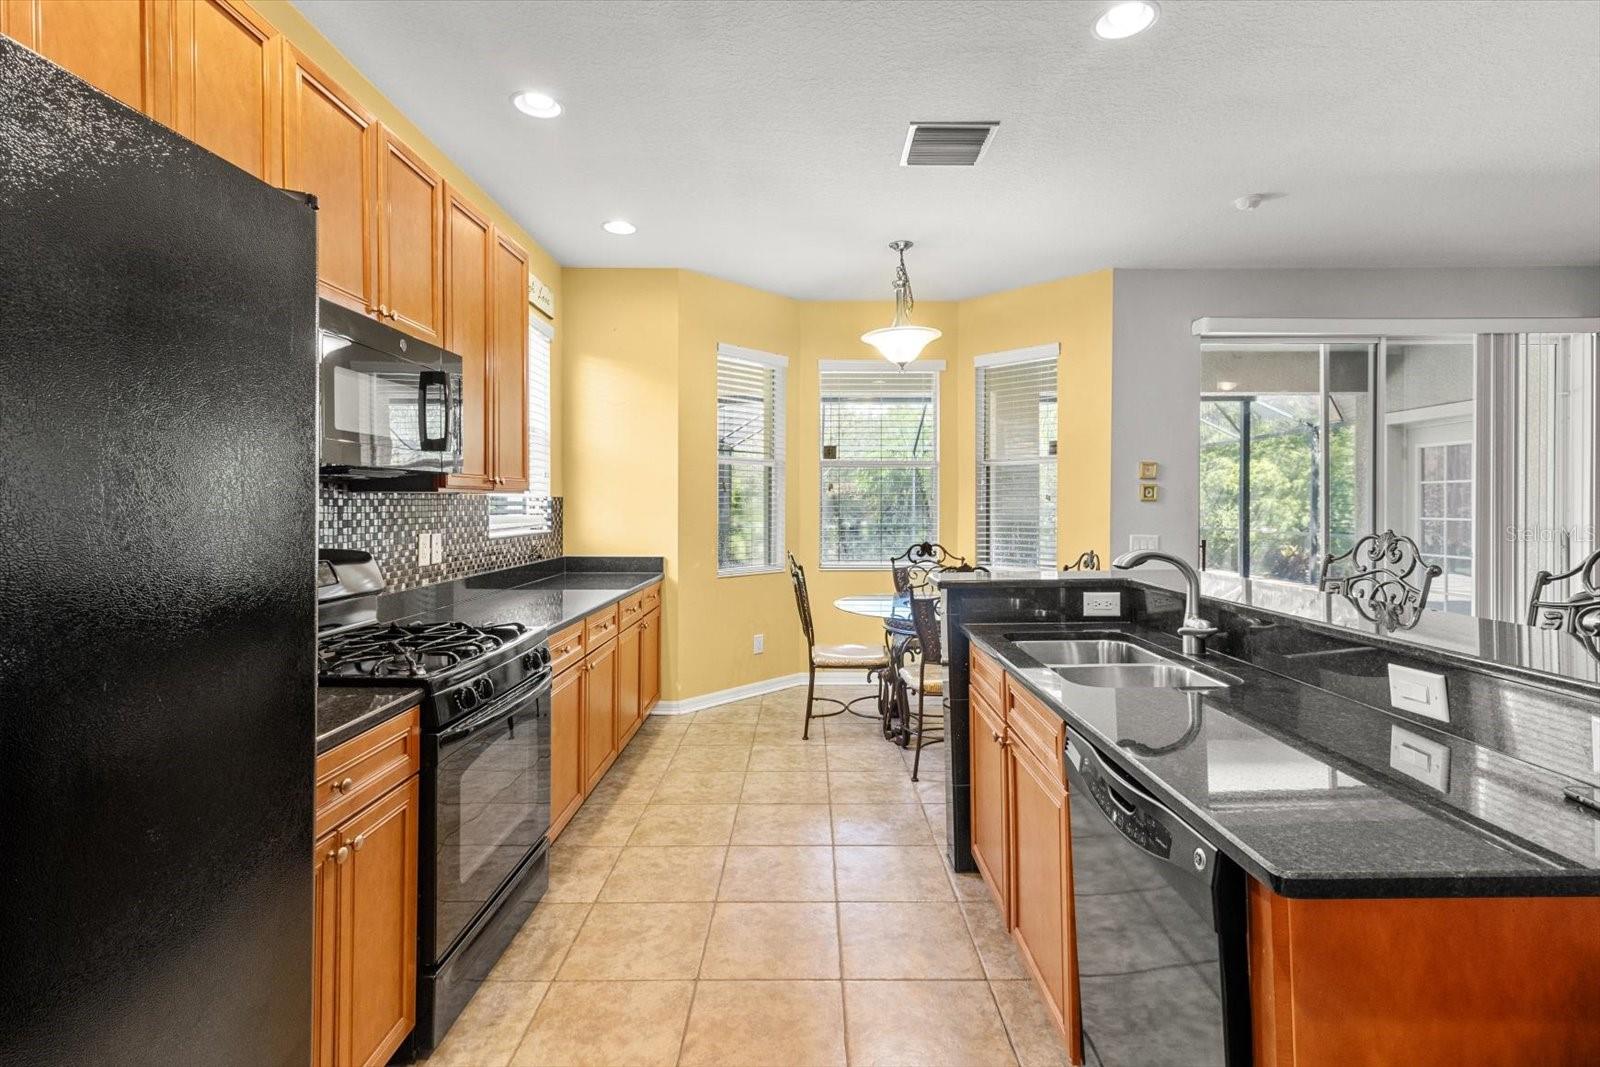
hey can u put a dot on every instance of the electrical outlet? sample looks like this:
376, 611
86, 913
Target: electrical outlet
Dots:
1422, 758
1144, 542
1594, 743
438, 546
1419, 692
424, 549
1102, 605
759, 644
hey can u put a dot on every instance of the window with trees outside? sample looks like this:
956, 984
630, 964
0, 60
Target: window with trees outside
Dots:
1016, 445
529, 512
880, 460
750, 447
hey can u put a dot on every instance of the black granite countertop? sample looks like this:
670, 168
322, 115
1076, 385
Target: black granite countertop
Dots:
347, 711
1295, 784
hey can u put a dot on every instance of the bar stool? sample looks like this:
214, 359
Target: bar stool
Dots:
830, 657
925, 680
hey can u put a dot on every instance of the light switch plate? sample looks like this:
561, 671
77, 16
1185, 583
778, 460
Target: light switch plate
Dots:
759, 645
1102, 605
424, 549
1144, 542
1422, 758
1419, 692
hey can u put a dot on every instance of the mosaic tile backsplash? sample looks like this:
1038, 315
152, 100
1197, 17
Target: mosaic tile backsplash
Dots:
387, 525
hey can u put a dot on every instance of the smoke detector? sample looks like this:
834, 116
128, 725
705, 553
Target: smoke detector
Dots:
946, 144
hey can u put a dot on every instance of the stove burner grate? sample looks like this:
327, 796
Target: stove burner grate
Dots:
416, 650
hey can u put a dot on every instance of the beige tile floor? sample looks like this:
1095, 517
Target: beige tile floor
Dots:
732, 895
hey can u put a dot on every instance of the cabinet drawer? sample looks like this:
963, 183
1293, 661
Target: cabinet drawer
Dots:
566, 648
600, 628
631, 611
1036, 726
364, 768
651, 598
985, 676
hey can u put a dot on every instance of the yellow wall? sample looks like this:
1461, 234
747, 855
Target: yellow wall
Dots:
1076, 312
308, 39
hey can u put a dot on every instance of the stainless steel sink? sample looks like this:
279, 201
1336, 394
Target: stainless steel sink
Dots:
1085, 651
1147, 675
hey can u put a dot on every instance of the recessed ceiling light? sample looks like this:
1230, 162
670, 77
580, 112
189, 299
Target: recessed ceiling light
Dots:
1126, 19
539, 105
620, 227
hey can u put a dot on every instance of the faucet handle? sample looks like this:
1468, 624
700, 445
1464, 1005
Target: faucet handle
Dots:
1195, 626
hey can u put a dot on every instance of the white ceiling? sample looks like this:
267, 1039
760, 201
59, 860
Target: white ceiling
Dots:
760, 141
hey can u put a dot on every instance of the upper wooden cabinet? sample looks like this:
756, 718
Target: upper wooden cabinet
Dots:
227, 82
330, 150
508, 367
410, 240
468, 314
123, 48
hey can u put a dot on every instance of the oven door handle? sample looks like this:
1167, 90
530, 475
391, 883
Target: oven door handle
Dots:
507, 706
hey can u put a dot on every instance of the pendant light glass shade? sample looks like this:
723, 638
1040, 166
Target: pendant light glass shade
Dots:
901, 342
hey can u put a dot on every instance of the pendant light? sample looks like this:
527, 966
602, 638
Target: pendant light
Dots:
901, 342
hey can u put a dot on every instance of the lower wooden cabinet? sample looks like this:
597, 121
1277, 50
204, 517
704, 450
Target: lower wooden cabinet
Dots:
365, 969
628, 707
649, 662
987, 744
599, 713
566, 747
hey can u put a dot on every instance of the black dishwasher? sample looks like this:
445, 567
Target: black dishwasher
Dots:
1160, 916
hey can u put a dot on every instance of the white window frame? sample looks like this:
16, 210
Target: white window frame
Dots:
535, 518
1010, 357
933, 367
776, 538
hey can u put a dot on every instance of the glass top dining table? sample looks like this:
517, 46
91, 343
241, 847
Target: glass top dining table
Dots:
890, 607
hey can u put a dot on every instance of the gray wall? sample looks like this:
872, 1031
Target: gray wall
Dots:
1156, 359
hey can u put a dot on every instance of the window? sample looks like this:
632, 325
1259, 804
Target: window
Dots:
1017, 433
749, 460
529, 512
1444, 511
880, 466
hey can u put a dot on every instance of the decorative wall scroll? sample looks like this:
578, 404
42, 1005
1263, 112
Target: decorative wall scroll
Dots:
1579, 614
1376, 576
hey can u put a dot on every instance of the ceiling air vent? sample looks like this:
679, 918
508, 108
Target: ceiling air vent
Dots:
946, 144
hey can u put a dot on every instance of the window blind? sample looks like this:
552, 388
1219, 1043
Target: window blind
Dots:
529, 512
880, 471
750, 475
1016, 447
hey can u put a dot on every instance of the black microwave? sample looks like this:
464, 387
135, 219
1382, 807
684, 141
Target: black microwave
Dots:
390, 405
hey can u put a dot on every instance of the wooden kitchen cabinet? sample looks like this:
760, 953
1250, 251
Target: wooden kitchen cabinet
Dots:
508, 367
649, 662
599, 713
1038, 864
364, 956
124, 49
410, 218
468, 313
987, 744
628, 706
567, 775
330, 149
227, 84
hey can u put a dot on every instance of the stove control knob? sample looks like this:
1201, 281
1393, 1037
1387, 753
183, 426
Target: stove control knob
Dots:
484, 688
466, 699
530, 661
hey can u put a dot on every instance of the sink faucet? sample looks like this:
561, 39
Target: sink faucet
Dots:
1195, 629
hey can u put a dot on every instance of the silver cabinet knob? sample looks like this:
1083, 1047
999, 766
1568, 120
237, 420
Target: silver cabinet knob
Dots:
360, 840
340, 855
343, 786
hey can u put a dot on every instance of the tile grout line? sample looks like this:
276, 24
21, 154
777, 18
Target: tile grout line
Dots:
694, 989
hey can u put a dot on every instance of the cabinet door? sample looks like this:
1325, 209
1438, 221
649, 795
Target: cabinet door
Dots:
123, 48
627, 684
1039, 863
468, 312
509, 366
378, 945
330, 149
599, 714
410, 241
987, 740
566, 747
227, 85
326, 860
649, 662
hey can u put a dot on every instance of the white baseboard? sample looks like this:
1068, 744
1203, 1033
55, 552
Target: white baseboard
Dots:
756, 689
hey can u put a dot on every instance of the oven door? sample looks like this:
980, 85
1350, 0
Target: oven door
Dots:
491, 809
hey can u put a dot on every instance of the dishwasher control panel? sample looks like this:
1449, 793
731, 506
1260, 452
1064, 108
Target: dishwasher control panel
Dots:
1137, 825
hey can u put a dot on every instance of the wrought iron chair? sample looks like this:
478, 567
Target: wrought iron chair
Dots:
1087, 561
912, 570
1579, 614
926, 679
829, 657
1376, 577
917, 564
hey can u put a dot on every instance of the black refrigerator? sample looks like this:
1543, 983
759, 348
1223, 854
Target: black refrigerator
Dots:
157, 598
